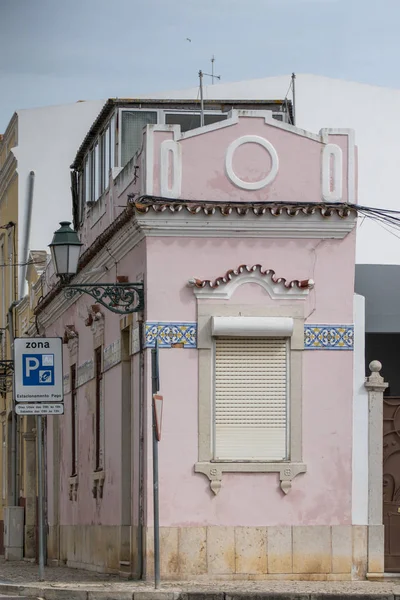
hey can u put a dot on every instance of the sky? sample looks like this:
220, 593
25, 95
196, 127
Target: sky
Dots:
61, 51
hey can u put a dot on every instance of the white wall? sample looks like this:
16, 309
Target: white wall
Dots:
373, 112
360, 419
48, 140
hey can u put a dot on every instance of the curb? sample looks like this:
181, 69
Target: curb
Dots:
51, 593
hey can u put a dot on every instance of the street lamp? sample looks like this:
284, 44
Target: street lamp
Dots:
65, 250
120, 298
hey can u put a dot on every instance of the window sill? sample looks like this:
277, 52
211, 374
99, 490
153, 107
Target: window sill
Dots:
98, 483
73, 488
214, 470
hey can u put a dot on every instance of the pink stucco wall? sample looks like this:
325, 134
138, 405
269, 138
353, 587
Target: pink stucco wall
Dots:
185, 496
87, 510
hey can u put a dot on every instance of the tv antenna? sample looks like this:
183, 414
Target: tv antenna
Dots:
201, 75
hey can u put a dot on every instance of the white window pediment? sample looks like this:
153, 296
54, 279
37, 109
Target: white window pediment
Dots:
276, 287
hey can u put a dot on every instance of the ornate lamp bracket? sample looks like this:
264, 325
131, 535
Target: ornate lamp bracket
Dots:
120, 298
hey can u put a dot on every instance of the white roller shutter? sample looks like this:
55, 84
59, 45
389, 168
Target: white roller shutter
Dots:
251, 398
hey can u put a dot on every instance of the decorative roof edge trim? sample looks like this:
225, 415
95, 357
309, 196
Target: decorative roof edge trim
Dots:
158, 205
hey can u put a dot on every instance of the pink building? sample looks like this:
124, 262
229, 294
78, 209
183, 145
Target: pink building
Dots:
242, 237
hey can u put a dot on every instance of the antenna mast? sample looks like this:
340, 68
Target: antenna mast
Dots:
201, 75
294, 97
201, 99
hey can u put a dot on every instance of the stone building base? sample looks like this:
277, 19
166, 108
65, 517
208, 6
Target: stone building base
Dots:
102, 548
340, 552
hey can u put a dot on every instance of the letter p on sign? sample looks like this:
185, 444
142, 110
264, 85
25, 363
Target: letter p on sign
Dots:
31, 364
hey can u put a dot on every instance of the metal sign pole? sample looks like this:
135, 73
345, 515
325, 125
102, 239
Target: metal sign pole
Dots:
40, 496
39, 390
155, 389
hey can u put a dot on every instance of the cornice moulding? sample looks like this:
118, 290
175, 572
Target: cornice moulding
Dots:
249, 226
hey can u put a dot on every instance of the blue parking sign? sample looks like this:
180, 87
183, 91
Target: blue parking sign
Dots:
38, 369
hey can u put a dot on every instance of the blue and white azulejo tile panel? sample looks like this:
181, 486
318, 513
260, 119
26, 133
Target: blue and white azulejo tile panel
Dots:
328, 337
168, 334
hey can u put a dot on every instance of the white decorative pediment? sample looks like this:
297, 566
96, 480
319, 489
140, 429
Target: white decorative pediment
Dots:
225, 287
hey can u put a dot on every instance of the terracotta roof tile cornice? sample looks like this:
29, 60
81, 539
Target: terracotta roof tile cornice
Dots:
146, 204
232, 273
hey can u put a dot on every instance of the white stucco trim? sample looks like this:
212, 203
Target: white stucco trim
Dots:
251, 185
252, 326
351, 162
168, 148
360, 419
233, 119
149, 154
332, 152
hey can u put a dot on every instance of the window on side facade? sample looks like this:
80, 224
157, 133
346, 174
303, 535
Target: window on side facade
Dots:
99, 411
74, 423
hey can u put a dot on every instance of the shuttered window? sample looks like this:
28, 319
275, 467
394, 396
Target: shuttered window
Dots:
251, 402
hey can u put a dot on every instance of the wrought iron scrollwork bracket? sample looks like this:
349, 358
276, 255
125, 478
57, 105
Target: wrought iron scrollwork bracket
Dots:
120, 298
6, 368
6, 375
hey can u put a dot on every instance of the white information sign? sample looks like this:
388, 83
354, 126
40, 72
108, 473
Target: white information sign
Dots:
38, 370
39, 409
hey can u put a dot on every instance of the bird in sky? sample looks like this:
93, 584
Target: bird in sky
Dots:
188, 39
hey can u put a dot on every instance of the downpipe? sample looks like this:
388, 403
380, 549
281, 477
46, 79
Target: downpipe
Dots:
14, 494
140, 537
13, 305
26, 233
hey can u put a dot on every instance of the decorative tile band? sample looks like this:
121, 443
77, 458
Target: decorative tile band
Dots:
316, 337
328, 337
169, 334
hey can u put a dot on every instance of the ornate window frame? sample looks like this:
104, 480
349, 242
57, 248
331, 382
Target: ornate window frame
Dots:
207, 311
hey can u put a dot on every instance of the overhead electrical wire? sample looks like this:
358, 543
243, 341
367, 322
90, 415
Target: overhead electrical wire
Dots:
388, 219
26, 264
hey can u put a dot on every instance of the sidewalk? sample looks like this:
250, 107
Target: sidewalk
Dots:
21, 578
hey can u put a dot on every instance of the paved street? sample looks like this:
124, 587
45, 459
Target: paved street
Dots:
73, 584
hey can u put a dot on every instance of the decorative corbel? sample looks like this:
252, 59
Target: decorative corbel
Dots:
73, 488
213, 473
69, 333
95, 321
98, 484
287, 473
71, 338
94, 314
